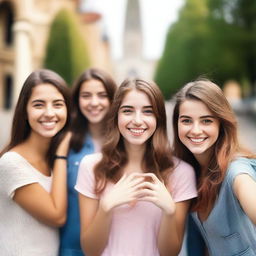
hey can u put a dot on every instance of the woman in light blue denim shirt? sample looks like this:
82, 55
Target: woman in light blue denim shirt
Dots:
92, 95
205, 135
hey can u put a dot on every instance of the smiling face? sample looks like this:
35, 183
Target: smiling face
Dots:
136, 119
93, 101
198, 129
46, 111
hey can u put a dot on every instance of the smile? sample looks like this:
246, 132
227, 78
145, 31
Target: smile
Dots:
197, 140
48, 124
136, 131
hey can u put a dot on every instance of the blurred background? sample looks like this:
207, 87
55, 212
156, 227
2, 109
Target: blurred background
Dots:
169, 41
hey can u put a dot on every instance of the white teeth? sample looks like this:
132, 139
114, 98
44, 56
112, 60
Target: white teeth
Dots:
137, 131
48, 124
197, 140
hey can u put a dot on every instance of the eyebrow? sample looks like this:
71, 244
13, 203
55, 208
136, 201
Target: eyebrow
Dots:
42, 101
128, 106
206, 116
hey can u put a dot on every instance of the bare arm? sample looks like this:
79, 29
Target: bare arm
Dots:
245, 190
50, 208
172, 230
95, 225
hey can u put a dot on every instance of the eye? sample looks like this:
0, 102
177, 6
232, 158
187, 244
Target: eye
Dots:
207, 121
59, 105
38, 105
186, 121
127, 111
85, 96
148, 111
103, 95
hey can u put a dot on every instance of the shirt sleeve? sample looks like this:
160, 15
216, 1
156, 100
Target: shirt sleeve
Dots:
241, 166
15, 172
85, 183
182, 182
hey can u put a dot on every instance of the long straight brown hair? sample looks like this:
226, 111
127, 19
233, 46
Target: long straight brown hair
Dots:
226, 148
20, 126
79, 123
158, 155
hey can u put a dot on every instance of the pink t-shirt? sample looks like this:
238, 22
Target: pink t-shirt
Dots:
134, 229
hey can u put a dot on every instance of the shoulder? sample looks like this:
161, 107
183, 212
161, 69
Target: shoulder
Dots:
10, 159
181, 166
239, 166
182, 171
91, 159
182, 181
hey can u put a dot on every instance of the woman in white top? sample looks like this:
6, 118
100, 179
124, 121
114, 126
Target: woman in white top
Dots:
134, 196
33, 168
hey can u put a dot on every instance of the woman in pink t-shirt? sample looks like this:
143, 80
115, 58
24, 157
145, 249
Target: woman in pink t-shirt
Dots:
134, 196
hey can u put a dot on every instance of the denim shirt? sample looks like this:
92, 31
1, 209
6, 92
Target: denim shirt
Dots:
228, 231
70, 232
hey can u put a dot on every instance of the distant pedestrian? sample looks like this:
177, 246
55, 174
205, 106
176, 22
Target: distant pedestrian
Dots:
33, 168
205, 135
92, 95
134, 196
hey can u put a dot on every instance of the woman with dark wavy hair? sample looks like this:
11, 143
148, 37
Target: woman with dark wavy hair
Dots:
205, 135
33, 168
92, 95
134, 196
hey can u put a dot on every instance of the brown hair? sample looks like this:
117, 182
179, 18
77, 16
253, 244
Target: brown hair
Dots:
158, 156
79, 123
226, 147
20, 126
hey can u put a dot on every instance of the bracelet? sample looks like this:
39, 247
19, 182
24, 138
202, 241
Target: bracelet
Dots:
60, 157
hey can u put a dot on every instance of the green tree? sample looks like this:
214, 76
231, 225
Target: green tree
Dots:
205, 41
66, 51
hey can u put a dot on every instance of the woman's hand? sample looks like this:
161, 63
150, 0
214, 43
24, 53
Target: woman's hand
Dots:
63, 147
156, 192
126, 190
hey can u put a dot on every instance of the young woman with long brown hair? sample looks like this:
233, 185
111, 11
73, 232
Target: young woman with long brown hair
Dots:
33, 168
205, 135
134, 196
92, 95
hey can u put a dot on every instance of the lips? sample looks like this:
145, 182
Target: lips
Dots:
48, 124
197, 140
136, 131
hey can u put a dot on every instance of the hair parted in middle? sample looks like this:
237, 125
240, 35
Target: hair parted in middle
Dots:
225, 148
79, 124
158, 155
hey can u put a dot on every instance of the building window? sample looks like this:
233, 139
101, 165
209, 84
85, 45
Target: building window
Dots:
6, 14
8, 92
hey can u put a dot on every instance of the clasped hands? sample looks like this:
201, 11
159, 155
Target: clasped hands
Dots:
139, 187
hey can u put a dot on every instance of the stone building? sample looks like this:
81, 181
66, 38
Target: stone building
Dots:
24, 28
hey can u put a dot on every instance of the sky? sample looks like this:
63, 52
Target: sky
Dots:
156, 17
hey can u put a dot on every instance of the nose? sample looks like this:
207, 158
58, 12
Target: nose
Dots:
196, 129
94, 100
49, 111
137, 118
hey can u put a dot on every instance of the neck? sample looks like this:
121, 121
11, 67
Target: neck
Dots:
135, 153
38, 145
96, 131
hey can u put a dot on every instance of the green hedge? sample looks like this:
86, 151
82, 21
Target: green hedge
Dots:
66, 51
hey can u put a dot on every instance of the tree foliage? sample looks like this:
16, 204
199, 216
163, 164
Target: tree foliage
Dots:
208, 40
66, 51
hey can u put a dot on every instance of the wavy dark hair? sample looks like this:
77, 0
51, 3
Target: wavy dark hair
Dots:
20, 125
158, 155
79, 123
225, 148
